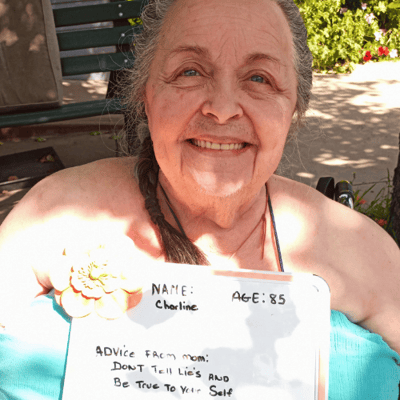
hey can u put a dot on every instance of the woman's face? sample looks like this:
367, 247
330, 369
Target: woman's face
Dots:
221, 94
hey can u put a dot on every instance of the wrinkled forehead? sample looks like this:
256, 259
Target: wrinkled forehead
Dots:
227, 28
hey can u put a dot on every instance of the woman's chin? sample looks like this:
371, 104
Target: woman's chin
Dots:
216, 187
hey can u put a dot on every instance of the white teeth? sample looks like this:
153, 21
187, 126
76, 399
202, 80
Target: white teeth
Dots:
218, 146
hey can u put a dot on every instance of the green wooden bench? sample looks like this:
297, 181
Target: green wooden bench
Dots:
120, 36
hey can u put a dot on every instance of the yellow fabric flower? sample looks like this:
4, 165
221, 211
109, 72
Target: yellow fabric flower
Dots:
99, 280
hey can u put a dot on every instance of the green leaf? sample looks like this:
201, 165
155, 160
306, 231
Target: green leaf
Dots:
95, 133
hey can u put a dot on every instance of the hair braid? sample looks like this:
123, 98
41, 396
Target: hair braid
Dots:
177, 247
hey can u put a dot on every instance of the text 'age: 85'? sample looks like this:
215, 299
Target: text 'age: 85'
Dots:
259, 298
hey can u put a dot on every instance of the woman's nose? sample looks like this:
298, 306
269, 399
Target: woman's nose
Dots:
222, 103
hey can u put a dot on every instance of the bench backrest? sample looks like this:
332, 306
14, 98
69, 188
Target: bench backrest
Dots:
86, 39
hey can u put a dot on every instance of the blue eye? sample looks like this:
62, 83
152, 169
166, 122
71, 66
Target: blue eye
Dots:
258, 76
190, 70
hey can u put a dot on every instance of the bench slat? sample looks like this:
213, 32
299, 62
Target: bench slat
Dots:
96, 13
95, 63
65, 112
96, 38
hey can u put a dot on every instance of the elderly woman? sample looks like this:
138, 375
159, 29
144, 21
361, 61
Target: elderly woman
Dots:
217, 88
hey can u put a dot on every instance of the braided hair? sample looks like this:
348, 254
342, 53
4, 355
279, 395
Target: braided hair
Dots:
176, 245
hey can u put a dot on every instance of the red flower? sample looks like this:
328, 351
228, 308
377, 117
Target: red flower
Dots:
381, 222
360, 201
383, 51
367, 56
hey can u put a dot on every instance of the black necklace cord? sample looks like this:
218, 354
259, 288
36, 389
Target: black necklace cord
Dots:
172, 212
276, 235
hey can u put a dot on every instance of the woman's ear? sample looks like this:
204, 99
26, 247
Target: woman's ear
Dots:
146, 106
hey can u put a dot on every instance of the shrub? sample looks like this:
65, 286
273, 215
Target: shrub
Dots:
341, 32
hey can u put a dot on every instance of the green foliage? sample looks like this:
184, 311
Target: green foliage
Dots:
135, 21
339, 34
379, 208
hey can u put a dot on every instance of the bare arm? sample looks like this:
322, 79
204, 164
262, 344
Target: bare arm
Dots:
383, 256
370, 260
21, 239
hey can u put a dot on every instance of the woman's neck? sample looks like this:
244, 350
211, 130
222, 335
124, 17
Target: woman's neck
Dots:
214, 224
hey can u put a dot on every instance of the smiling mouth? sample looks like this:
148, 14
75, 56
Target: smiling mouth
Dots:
217, 146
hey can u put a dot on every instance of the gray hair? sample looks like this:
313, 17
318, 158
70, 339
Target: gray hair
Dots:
145, 44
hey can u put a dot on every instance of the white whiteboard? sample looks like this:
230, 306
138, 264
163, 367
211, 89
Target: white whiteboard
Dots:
234, 334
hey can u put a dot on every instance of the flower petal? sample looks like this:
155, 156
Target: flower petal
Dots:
75, 304
76, 282
57, 297
93, 293
134, 299
110, 283
60, 273
113, 305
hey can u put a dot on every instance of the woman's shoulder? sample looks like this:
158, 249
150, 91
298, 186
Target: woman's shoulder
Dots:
87, 193
327, 220
358, 259
95, 199
342, 234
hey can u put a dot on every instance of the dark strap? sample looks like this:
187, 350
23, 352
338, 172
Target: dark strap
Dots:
172, 212
276, 234
326, 186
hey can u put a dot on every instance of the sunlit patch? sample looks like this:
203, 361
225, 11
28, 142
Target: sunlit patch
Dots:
305, 175
291, 228
8, 37
388, 147
36, 43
